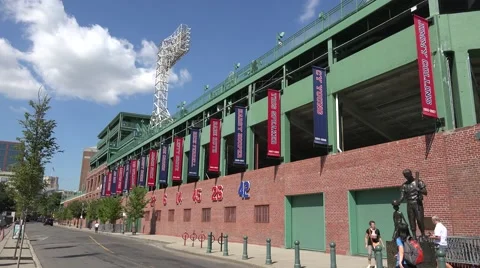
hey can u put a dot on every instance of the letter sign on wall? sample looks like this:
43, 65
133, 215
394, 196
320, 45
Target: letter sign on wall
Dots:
243, 190
179, 198
197, 195
217, 193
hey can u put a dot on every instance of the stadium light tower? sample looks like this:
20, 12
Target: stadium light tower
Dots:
172, 49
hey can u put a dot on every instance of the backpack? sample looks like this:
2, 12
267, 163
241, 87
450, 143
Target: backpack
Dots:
413, 253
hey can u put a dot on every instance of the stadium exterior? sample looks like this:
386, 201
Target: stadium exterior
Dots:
372, 115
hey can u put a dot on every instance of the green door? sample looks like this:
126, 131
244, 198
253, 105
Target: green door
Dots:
308, 222
373, 205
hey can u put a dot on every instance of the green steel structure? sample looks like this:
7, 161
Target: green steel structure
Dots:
119, 133
369, 50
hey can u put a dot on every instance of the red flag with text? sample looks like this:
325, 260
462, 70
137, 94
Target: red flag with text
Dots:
214, 152
152, 168
273, 135
425, 70
120, 179
133, 173
177, 159
108, 192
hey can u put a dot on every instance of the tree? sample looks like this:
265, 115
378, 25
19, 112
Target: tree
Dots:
111, 209
136, 205
7, 202
92, 209
37, 147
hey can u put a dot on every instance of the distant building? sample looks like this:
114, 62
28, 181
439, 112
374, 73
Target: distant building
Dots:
8, 155
5, 176
52, 183
87, 155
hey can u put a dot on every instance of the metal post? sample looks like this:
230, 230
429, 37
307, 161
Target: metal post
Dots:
245, 254
225, 249
441, 259
209, 243
297, 255
378, 256
333, 255
268, 260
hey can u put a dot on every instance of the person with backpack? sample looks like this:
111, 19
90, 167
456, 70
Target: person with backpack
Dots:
410, 254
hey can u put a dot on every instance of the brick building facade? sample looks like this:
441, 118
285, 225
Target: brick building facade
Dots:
85, 167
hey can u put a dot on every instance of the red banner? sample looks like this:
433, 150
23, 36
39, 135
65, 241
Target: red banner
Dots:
273, 135
108, 192
133, 173
152, 168
215, 146
177, 159
425, 70
120, 179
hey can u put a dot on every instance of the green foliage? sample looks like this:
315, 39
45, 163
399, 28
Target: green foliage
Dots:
110, 209
48, 203
92, 209
75, 207
136, 203
37, 147
7, 202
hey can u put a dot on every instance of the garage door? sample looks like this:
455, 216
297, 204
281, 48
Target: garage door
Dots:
376, 205
308, 222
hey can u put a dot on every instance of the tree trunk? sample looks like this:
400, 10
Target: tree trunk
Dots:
23, 238
134, 227
20, 232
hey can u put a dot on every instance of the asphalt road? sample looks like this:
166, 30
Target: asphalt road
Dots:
58, 247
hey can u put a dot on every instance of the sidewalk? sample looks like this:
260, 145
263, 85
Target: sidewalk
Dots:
282, 258
7, 249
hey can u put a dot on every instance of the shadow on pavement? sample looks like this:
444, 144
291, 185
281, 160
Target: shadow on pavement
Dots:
59, 247
77, 255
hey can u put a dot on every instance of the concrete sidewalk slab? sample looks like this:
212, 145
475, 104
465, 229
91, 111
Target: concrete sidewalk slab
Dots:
281, 257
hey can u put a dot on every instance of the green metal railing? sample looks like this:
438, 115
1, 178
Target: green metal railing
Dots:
126, 140
73, 196
128, 124
312, 30
101, 142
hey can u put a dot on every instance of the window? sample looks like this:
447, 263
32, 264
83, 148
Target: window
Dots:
186, 214
171, 214
158, 214
230, 214
262, 214
206, 213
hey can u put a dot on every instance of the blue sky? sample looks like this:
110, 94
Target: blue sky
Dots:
93, 74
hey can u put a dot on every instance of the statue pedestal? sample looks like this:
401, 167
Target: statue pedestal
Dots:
428, 254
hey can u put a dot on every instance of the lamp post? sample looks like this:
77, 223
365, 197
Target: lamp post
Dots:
81, 214
205, 88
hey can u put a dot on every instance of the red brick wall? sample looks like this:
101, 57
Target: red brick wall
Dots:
451, 173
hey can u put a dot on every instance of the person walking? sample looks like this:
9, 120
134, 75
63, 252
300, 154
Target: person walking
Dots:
372, 239
96, 226
440, 236
402, 235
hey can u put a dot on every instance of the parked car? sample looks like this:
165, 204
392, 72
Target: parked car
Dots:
48, 222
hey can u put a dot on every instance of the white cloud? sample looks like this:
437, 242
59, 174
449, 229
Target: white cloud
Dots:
309, 10
19, 110
75, 61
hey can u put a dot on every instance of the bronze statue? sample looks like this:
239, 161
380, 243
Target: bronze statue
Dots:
398, 218
413, 191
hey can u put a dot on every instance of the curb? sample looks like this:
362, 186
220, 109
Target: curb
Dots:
34, 256
164, 246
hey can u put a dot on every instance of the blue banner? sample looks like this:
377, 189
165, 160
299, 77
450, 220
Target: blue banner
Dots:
240, 137
164, 161
320, 120
114, 182
104, 186
142, 173
126, 177
194, 157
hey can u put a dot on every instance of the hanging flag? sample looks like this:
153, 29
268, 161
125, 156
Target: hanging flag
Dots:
143, 173
193, 159
133, 173
114, 181
273, 135
120, 180
126, 184
320, 126
108, 191
177, 159
425, 70
239, 137
152, 168
164, 158
215, 146
104, 186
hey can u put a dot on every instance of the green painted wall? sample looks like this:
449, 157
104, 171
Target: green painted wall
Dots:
368, 205
308, 221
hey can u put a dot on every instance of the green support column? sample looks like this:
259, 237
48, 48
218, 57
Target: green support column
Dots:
331, 103
463, 90
433, 7
201, 168
285, 128
223, 161
250, 148
170, 169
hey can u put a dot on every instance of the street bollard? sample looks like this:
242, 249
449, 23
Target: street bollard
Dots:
333, 255
209, 243
245, 254
297, 255
220, 241
225, 248
193, 237
185, 237
441, 259
268, 260
378, 256
201, 238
